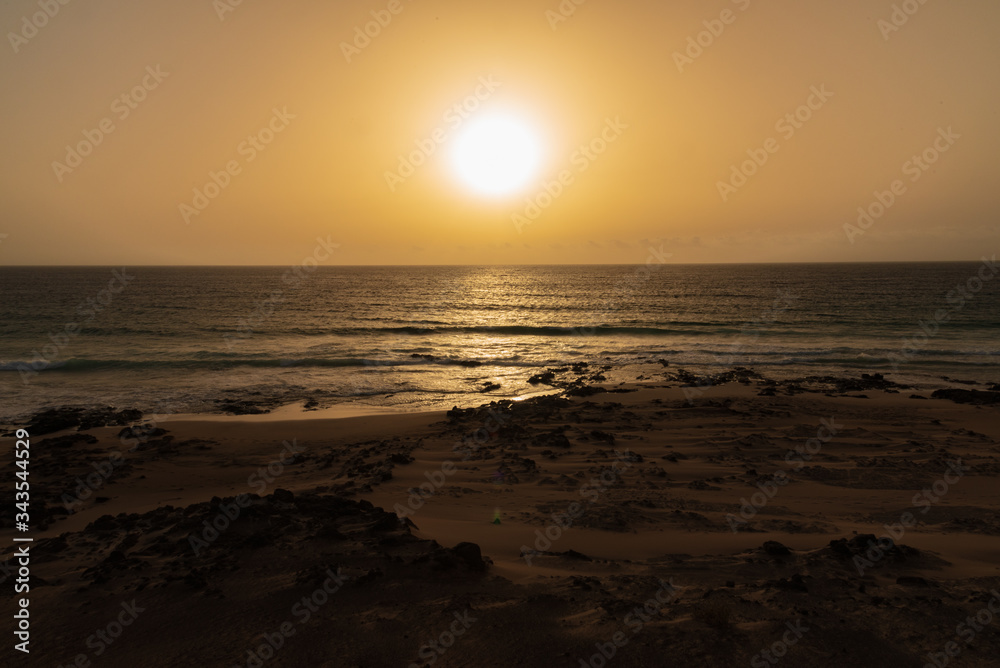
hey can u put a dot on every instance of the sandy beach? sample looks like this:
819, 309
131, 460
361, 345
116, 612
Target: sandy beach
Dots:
570, 334
670, 521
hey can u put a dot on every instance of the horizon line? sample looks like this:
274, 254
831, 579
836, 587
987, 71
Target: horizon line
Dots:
522, 264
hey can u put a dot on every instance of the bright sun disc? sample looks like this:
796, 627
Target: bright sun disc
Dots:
496, 155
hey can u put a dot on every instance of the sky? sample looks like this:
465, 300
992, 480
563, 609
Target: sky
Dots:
201, 132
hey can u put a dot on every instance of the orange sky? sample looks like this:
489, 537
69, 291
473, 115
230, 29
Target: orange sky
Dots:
199, 81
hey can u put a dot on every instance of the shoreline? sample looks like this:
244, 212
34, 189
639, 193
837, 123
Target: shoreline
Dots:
437, 389
547, 381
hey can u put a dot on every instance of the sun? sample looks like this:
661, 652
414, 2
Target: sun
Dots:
496, 155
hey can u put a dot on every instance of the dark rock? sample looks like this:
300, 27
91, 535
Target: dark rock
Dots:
242, 408
795, 583
974, 397
470, 554
867, 382
196, 580
162, 443
103, 523
585, 391
141, 432
552, 439
776, 549
864, 541
126, 416
546, 378
370, 576
67, 417
259, 539
284, 496
879, 548
67, 441
840, 548
54, 419
387, 522
602, 436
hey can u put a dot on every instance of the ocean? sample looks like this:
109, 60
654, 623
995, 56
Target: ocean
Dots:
182, 339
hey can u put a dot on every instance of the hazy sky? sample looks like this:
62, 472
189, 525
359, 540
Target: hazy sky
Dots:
673, 119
